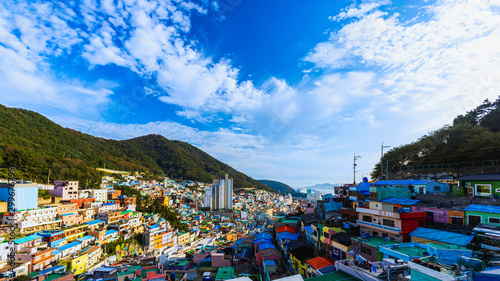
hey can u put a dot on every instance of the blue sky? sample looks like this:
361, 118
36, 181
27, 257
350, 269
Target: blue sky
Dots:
279, 90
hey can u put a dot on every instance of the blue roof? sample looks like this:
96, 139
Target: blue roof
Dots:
269, 262
69, 246
109, 204
264, 246
264, 235
442, 236
55, 252
483, 208
95, 222
288, 236
85, 238
111, 232
49, 233
51, 269
27, 239
154, 226
309, 228
400, 201
68, 214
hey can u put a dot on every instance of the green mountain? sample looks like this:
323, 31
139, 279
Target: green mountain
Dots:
36, 146
281, 187
472, 139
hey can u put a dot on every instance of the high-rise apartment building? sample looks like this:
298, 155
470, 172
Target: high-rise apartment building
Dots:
220, 194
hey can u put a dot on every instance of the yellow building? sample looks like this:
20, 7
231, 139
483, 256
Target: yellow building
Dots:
76, 265
231, 237
328, 232
300, 267
183, 238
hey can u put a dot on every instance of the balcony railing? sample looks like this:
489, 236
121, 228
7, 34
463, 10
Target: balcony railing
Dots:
378, 225
378, 213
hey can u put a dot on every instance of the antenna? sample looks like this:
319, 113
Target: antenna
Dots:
354, 167
382, 159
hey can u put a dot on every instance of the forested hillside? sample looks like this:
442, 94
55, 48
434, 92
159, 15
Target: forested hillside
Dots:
474, 136
34, 145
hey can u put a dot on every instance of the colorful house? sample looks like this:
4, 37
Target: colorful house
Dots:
76, 265
425, 235
315, 264
368, 247
485, 214
383, 221
299, 254
483, 185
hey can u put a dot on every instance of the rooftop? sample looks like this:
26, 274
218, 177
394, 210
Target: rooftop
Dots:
483, 209
336, 275
442, 236
376, 241
400, 201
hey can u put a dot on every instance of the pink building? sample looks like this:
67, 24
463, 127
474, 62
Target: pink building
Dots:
218, 260
433, 213
68, 190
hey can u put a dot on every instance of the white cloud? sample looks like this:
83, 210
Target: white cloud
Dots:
358, 12
422, 64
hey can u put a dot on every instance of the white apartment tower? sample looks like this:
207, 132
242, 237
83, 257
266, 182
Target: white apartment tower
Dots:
220, 194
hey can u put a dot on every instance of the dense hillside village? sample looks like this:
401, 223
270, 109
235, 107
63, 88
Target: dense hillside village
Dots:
446, 230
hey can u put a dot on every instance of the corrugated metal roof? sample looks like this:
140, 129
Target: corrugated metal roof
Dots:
95, 222
442, 236
483, 208
69, 246
27, 239
400, 201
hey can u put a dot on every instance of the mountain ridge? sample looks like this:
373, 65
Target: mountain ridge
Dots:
37, 147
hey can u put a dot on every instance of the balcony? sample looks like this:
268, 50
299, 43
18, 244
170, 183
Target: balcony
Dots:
379, 226
379, 213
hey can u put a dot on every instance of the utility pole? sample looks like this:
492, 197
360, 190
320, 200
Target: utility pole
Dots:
48, 177
387, 170
382, 159
354, 167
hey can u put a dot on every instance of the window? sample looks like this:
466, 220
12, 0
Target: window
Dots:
388, 222
367, 218
437, 188
385, 235
474, 220
367, 251
374, 233
336, 252
326, 235
456, 220
494, 220
421, 223
483, 190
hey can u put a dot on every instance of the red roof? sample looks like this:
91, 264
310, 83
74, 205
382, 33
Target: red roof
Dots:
287, 229
320, 262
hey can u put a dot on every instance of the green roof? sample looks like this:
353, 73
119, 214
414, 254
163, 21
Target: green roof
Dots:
446, 246
225, 273
145, 272
375, 240
411, 251
336, 275
54, 276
